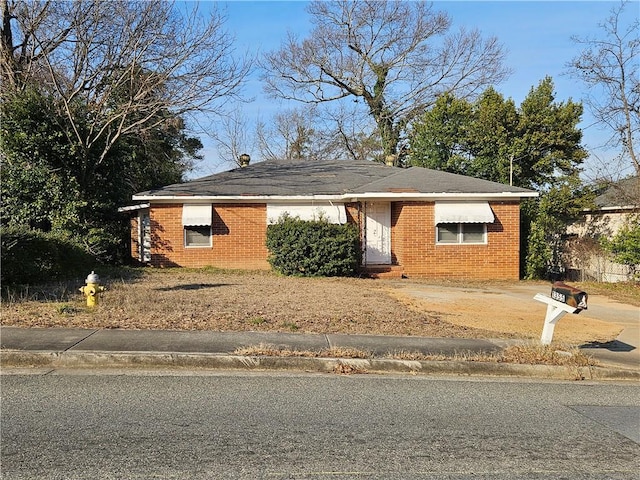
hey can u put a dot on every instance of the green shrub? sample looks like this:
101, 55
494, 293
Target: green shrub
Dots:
313, 248
625, 246
32, 257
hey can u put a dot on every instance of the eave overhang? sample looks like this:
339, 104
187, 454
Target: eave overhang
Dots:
347, 197
622, 208
133, 208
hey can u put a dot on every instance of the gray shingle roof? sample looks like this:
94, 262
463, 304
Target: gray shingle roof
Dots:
288, 178
424, 180
624, 193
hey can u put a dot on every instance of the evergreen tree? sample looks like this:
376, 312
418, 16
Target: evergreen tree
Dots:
48, 184
439, 139
39, 188
536, 146
491, 137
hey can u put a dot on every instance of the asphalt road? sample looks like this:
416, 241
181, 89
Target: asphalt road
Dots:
74, 425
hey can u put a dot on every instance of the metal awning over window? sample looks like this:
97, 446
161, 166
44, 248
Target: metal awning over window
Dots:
196, 215
335, 213
463, 212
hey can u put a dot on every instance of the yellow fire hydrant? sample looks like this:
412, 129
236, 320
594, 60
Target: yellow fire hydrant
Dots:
91, 289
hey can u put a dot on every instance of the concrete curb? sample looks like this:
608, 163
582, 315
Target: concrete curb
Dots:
14, 358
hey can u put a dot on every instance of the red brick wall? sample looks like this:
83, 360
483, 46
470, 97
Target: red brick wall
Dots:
239, 235
353, 212
238, 238
414, 246
135, 239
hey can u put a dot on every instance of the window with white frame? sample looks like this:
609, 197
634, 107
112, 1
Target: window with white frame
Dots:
461, 233
197, 236
196, 221
462, 222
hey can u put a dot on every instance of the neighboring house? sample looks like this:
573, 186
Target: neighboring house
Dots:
618, 205
413, 221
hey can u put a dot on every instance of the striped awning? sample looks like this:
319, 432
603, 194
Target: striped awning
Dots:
333, 213
463, 212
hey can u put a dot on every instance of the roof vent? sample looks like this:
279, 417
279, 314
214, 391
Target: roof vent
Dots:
244, 160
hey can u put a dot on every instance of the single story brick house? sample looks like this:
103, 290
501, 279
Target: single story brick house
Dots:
413, 221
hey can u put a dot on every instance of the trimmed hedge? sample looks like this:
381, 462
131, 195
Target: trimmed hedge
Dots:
34, 257
313, 248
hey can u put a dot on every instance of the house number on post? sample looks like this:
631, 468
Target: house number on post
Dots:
564, 299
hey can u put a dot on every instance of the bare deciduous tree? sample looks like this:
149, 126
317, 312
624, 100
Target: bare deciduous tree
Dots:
294, 135
233, 137
394, 56
310, 133
352, 132
609, 67
129, 66
30, 32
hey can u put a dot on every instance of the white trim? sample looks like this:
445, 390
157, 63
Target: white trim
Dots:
347, 197
443, 195
184, 230
131, 208
377, 232
460, 236
608, 209
186, 199
140, 239
144, 249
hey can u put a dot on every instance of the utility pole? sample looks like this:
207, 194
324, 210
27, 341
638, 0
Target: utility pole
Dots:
511, 170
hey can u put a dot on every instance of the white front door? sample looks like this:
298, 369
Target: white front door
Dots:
378, 233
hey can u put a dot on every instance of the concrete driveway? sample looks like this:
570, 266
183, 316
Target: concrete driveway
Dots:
465, 304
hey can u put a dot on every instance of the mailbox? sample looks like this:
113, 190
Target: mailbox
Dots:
572, 296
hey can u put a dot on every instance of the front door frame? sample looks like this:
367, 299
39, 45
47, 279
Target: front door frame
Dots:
144, 236
377, 233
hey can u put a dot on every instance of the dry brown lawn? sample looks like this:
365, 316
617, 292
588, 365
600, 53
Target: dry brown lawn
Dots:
181, 299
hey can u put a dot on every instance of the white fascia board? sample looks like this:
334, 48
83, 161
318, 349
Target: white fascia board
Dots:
609, 209
131, 208
348, 197
237, 198
440, 196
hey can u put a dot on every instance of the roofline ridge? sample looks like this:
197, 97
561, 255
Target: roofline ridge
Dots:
393, 174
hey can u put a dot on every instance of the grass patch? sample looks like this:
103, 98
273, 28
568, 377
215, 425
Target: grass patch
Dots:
66, 309
45, 293
263, 350
257, 321
290, 326
67, 290
547, 355
625, 292
520, 354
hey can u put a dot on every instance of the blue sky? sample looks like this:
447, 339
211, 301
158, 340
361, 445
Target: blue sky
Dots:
537, 35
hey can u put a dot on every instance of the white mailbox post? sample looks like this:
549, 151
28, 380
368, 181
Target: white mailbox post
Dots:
555, 311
